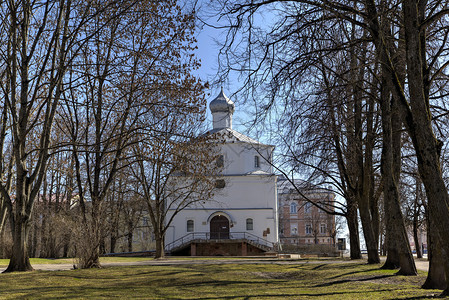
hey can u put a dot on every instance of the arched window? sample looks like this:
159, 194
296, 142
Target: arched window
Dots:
293, 208
190, 225
256, 162
249, 224
308, 208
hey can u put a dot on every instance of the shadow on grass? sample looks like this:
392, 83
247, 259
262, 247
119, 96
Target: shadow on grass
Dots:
353, 280
294, 295
430, 296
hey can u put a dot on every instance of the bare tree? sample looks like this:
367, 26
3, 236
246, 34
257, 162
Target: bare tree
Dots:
39, 40
117, 80
424, 36
175, 169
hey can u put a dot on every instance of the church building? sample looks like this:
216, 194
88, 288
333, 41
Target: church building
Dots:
242, 217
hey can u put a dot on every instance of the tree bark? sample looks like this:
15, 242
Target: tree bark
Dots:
396, 231
419, 123
416, 239
20, 260
160, 251
353, 227
436, 277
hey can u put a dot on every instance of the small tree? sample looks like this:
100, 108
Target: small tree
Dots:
175, 170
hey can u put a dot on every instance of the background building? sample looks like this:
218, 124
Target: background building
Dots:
300, 221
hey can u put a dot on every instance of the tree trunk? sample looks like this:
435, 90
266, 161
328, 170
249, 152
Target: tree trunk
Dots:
436, 277
415, 237
353, 227
160, 251
113, 243
65, 251
130, 241
396, 231
368, 233
392, 261
20, 260
3, 214
419, 122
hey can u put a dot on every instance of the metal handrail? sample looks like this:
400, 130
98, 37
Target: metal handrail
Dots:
218, 236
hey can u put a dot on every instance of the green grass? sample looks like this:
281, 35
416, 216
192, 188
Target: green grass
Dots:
304, 280
40, 261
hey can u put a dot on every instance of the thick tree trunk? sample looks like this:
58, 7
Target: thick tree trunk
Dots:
353, 227
392, 261
436, 277
368, 233
419, 122
20, 260
88, 248
396, 231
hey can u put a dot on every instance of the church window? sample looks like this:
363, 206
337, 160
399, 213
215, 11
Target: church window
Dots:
308, 229
249, 224
220, 184
220, 161
190, 225
256, 162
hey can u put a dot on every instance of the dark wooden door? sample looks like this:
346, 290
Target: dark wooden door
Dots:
219, 228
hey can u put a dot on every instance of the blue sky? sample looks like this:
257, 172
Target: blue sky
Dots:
207, 52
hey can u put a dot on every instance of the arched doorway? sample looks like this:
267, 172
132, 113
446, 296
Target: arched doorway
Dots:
219, 228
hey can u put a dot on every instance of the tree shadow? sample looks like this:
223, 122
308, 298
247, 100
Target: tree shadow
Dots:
352, 280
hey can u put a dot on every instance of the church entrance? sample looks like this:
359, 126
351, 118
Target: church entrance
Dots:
219, 228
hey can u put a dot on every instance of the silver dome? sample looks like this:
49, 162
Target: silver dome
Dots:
222, 104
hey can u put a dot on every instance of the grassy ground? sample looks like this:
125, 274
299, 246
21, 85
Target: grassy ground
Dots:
226, 281
35, 261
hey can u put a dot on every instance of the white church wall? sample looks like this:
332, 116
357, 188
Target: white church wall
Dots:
243, 197
239, 158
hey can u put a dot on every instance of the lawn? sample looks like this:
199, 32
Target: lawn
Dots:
39, 261
303, 280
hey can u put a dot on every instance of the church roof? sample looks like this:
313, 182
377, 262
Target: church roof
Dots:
231, 136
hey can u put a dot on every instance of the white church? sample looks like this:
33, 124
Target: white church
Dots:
242, 218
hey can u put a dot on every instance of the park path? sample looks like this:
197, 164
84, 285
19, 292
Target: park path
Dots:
422, 265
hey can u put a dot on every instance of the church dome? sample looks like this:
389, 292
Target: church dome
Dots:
222, 104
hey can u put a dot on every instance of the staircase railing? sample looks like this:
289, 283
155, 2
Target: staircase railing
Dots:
217, 236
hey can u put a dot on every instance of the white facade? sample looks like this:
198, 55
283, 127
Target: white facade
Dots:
248, 199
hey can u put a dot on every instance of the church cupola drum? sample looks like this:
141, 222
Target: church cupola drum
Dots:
222, 109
